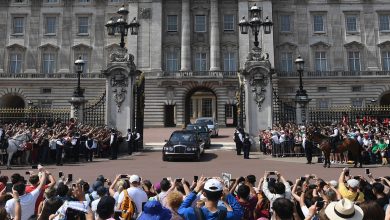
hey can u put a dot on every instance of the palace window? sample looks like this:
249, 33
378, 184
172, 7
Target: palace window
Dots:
172, 23
18, 25
200, 62
287, 62
351, 23
200, 23
207, 108
285, 23
15, 63
228, 23
318, 22
172, 61
384, 22
51, 25
229, 61
49, 63
320, 61
386, 60
354, 61
83, 25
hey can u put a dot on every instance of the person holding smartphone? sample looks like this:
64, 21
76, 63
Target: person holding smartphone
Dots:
350, 190
282, 187
26, 200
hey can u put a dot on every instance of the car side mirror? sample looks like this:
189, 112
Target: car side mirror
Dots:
166, 140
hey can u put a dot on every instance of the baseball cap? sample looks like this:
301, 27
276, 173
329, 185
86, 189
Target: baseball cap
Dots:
213, 185
134, 178
353, 183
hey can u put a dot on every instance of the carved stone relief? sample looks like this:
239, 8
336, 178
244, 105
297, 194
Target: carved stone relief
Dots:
258, 82
145, 13
119, 79
119, 97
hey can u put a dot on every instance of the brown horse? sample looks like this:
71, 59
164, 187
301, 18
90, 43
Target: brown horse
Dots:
325, 145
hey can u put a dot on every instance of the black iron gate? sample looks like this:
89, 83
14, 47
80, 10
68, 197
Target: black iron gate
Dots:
283, 112
140, 106
94, 114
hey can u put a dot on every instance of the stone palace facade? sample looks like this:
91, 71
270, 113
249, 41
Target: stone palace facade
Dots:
191, 51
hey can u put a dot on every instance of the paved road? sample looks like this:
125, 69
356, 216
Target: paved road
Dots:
149, 165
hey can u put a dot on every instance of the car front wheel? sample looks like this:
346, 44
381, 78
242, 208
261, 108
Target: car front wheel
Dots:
197, 156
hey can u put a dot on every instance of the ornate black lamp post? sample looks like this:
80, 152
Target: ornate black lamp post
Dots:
121, 26
79, 64
299, 62
301, 98
255, 24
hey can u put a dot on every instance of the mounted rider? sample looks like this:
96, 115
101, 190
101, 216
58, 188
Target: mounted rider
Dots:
334, 137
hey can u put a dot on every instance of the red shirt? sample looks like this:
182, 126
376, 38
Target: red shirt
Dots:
31, 188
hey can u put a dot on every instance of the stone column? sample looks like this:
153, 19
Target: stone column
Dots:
185, 36
214, 37
258, 93
77, 108
120, 79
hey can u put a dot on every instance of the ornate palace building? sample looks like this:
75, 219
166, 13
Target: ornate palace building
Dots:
191, 51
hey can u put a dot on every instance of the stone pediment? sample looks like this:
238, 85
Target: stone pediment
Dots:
16, 46
287, 45
112, 46
354, 44
384, 44
49, 46
81, 46
320, 44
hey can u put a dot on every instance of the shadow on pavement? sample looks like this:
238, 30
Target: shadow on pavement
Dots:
204, 158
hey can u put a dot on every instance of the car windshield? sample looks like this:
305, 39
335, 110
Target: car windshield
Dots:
202, 129
205, 121
182, 137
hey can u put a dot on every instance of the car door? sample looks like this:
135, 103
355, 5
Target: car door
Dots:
201, 143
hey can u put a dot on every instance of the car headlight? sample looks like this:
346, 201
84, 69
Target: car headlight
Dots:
188, 149
165, 148
194, 148
170, 148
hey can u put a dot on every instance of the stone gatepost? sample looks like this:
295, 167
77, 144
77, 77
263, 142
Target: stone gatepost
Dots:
120, 80
258, 93
77, 107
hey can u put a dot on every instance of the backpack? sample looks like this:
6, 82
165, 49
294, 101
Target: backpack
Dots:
128, 207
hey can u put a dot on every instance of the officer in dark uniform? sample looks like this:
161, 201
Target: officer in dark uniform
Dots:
309, 150
60, 144
114, 144
129, 142
246, 145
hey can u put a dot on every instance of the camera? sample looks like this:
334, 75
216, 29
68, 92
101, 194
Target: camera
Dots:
70, 177
123, 176
178, 180
303, 178
367, 171
272, 173
356, 177
196, 178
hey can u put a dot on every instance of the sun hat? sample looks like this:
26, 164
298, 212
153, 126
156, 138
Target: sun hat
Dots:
213, 185
344, 209
153, 210
353, 183
134, 178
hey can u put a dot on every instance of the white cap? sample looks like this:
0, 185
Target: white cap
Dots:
134, 178
333, 183
213, 185
353, 183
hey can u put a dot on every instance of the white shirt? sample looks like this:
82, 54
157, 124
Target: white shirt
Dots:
282, 138
111, 139
275, 139
59, 142
94, 205
335, 132
137, 195
27, 202
1, 132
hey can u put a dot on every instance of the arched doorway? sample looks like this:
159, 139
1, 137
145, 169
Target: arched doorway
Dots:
11, 101
385, 99
200, 102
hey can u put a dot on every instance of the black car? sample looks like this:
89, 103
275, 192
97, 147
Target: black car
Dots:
183, 144
203, 132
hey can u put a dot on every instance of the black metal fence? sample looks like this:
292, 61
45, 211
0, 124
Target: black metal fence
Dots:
349, 114
283, 112
33, 115
94, 114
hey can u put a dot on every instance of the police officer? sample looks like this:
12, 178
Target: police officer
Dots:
246, 145
89, 148
114, 144
135, 136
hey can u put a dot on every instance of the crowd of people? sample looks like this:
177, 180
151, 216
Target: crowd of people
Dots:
59, 142
291, 140
270, 196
